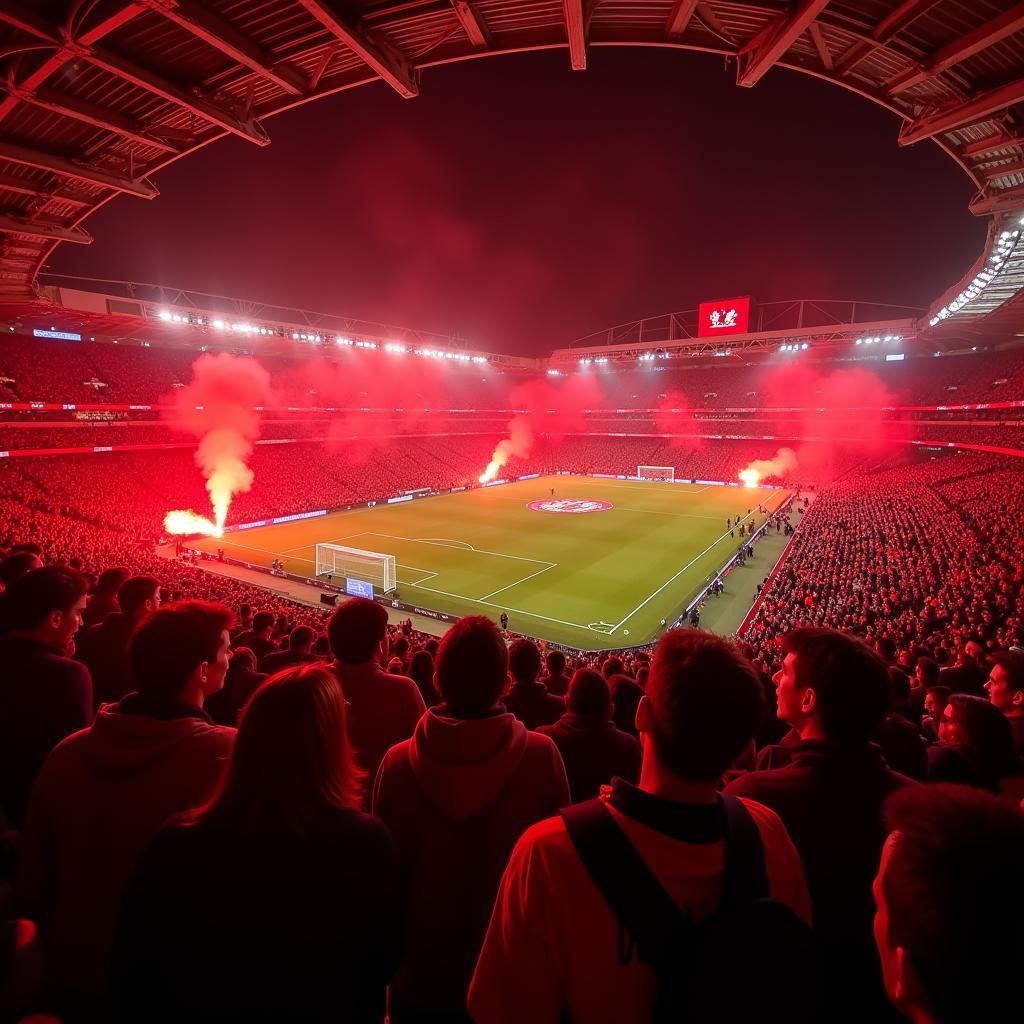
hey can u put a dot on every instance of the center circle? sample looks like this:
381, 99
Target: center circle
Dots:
572, 506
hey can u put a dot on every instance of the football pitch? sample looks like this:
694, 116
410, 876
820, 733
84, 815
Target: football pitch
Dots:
599, 567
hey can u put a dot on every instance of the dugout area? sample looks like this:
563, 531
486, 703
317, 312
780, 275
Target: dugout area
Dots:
590, 579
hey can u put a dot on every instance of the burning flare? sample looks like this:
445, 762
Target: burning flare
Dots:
221, 406
182, 522
784, 461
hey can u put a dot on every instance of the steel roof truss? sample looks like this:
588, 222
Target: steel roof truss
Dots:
43, 229
473, 23
777, 39
576, 33
970, 111
60, 165
384, 59
679, 19
209, 26
904, 15
967, 45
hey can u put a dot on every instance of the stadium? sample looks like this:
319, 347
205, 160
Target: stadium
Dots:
596, 541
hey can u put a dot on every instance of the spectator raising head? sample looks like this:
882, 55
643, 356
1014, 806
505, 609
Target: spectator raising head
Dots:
948, 926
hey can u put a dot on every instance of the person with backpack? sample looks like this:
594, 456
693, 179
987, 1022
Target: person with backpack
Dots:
658, 901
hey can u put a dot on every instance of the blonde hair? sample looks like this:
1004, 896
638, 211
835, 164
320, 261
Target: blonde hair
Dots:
292, 762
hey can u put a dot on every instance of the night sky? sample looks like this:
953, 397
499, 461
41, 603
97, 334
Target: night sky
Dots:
522, 205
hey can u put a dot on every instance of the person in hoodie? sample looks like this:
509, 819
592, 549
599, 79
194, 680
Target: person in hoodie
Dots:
529, 699
593, 750
104, 792
103, 648
44, 695
835, 692
384, 707
456, 797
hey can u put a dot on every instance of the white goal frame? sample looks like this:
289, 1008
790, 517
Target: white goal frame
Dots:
372, 567
656, 473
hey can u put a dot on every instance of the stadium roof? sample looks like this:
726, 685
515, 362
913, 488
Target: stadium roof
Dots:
101, 94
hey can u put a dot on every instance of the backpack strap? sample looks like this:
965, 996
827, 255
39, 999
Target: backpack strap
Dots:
639, 902
744, 876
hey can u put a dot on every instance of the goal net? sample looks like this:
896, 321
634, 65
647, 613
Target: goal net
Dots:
355, 563
656, 472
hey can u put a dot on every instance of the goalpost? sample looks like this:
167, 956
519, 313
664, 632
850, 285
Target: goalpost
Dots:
656, 472
355, 563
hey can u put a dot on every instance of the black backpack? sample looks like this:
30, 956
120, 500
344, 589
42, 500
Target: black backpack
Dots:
753, 959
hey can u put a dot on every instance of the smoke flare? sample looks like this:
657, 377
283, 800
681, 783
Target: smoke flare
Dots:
784, 461
221, 406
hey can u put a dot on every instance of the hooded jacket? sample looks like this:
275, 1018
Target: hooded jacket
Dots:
456, 797
101, 796
593, 751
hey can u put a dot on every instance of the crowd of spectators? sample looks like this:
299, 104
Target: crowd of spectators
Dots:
333, 814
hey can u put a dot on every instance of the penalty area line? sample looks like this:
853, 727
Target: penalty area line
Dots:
501, 590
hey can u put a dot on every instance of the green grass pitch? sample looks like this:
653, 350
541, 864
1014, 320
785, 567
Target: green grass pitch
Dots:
588, 580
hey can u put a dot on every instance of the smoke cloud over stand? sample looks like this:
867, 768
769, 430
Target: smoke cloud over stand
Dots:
222, 407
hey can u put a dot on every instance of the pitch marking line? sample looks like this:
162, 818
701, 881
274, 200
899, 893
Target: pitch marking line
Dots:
656, 512
501, 590
444, 544
672, 579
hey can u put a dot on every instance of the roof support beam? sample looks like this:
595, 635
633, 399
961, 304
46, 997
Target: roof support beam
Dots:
60, 165
473, 23
821, 46
28, 21
679, 19
773, 44
994, 142
393, 67
991, 173
209, 26
24, 187
984, 36
89, 113
968, 112
907, 12
43, 229
576, 32
249, 129
1008, 199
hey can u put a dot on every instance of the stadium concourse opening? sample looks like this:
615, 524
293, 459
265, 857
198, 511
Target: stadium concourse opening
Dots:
597, 564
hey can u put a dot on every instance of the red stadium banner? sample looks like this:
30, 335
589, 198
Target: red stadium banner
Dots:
723, 317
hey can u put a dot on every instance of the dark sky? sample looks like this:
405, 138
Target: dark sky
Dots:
522, 205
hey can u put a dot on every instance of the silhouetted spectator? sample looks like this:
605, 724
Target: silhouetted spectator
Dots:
421, 671
104, 599
527, 698
626, 696
258, 639
975, 745
105, 791
1005, 688
44, 695
280, 887
456, 797
555, 680
593, 750
103, 648
384, 708
298, 652
948, 927
240, 683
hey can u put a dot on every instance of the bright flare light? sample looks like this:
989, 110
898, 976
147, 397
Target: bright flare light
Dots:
750, 477
491, 472
182, 522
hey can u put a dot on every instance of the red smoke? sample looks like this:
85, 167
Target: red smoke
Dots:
548, 408
221, 407
839, 412
674, 416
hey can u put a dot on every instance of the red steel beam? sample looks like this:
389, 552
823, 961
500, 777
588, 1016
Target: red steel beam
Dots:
994, 142
977, 109
1003, 169
209, 26
997, 202
576, 33
393, 67
904, 15
60, 165
679, 19
752, 66
473, 23
44, 230
967, 45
